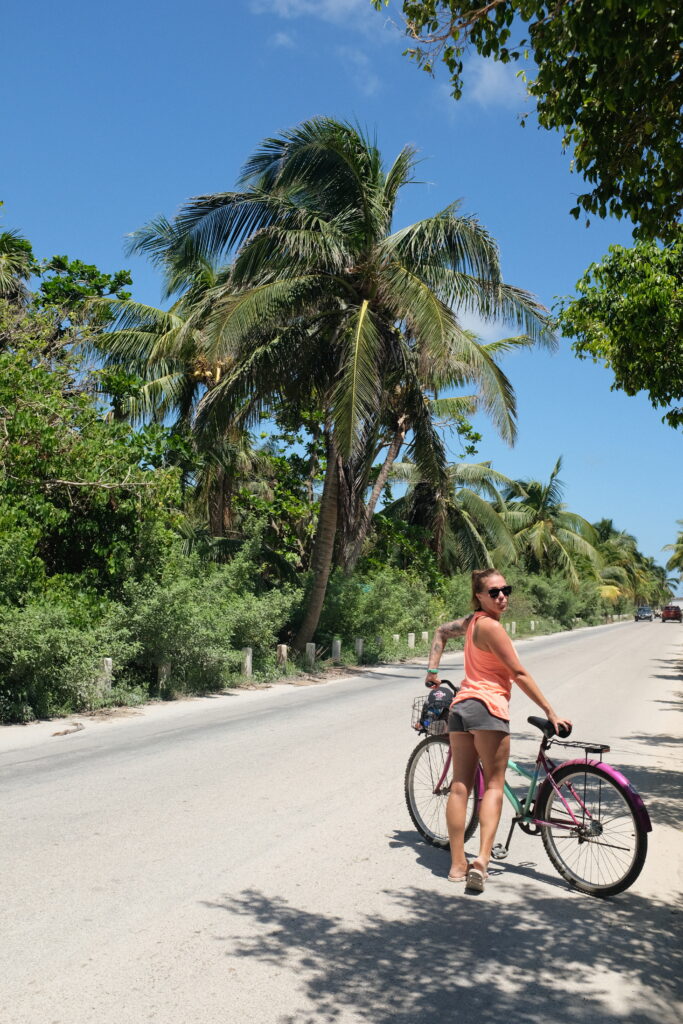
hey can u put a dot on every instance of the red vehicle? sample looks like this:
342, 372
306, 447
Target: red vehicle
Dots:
672, 613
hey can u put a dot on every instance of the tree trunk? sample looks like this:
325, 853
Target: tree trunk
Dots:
216, 504
365, 518
321, 561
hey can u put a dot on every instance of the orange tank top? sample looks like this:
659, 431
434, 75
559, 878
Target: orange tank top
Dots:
486, 678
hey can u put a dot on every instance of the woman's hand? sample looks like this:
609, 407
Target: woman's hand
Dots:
563, 724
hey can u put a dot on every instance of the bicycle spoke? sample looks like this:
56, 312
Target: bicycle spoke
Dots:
427, 806
591, 835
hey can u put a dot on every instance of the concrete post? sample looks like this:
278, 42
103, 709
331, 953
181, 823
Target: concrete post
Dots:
359, 647
411, 639
336, 649
533, 625
106, 672
281, 656
396, 637
246, 661
513, 628
425, 636
310, 655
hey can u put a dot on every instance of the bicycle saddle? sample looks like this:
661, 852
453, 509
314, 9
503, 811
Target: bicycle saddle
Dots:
546, 727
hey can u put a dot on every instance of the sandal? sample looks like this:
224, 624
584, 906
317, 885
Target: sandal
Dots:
475, 879
457, 878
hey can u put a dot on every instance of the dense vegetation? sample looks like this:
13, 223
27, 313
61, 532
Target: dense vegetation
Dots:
265, 461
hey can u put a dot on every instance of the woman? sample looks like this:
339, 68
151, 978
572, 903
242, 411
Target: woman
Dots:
479, 720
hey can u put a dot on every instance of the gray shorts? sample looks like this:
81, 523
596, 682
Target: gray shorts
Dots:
471, 714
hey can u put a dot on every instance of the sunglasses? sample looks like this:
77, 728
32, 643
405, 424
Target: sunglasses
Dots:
495, 591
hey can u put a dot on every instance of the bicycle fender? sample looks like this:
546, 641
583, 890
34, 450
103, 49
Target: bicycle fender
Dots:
479, 784
633, 797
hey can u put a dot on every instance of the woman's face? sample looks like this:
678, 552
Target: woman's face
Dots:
494, 606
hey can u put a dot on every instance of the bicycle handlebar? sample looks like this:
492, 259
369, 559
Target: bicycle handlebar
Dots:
443, 682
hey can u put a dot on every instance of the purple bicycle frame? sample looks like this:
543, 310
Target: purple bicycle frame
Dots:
632, 796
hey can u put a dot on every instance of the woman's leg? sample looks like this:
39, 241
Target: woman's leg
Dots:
464, 758
493, 749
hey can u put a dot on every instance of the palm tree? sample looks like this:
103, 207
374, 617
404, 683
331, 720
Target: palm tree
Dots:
407, 415
465, 522
625, 571
327, 306
619, 569
17, 264
154, 346
547, 536
675, 562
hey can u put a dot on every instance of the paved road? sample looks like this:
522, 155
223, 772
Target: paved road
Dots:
250, 859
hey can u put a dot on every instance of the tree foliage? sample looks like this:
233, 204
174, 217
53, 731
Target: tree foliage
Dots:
675, 563
629, 315
327, 305
548, 537
17, 263
608, 76
75, 496
68, 285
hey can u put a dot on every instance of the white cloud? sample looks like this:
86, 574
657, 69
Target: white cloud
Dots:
356, 16
490, 83
283, 40
328, 10
485, 330
358, 67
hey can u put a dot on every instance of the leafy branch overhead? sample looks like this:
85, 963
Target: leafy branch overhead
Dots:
629, 315
608, 76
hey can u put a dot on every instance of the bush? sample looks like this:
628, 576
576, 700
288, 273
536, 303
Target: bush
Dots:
377, 604
456, 596
50, 663
196, 619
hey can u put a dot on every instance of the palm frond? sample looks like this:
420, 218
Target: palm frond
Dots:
287, 252
331, 160
488, 520
399, 174
449, 241
231, 317
358, 390
454, 408
176, 253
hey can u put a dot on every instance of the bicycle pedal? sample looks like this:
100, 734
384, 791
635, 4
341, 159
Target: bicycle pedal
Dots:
499, 852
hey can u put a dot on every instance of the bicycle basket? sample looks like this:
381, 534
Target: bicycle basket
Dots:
430, 714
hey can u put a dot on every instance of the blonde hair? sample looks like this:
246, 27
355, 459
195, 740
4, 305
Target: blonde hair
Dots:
479, 576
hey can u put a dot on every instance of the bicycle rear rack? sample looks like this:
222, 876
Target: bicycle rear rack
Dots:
590, 748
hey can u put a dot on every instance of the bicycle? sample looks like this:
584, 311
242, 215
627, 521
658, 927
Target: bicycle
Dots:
592, 821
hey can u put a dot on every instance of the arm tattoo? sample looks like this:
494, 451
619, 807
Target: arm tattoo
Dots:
458, 627
448, 631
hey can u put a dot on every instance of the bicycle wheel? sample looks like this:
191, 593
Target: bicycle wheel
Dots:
426, 803
603, 852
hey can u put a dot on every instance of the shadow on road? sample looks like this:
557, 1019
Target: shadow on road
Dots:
660, 790
444, 956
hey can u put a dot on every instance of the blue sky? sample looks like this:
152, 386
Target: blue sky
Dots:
114, 114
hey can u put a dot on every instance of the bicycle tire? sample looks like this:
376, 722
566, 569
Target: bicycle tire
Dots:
605, 853
426, 807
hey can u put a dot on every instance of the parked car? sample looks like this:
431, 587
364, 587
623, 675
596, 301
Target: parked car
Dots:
672, 613
644, 612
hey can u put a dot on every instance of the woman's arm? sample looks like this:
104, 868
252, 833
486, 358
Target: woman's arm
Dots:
444, 633
492, 637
